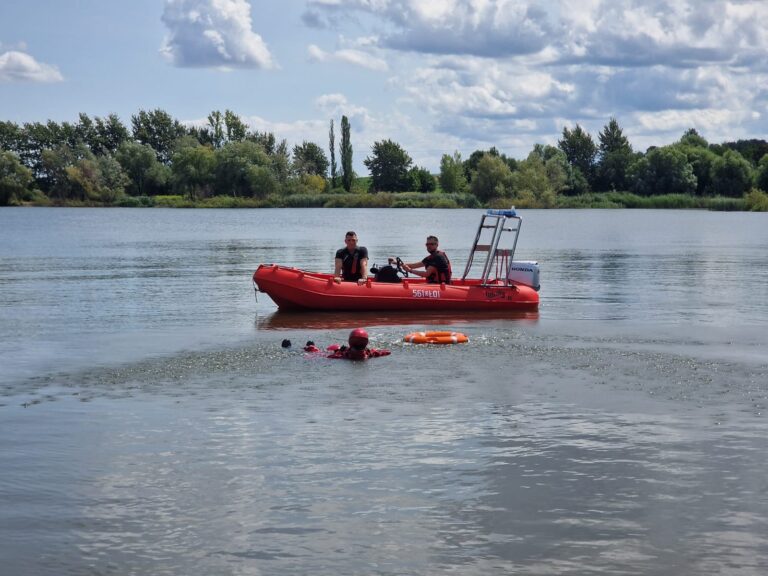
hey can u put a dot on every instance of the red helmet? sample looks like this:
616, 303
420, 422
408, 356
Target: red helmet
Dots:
358, 338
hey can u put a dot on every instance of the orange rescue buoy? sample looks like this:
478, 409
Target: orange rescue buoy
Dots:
436, 338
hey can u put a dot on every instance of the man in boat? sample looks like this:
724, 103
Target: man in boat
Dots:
357, 349
351, 261
437, 266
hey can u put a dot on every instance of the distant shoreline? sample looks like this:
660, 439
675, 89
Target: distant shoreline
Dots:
606, 200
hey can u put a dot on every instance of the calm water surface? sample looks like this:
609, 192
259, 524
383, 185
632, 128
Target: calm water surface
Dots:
150, 422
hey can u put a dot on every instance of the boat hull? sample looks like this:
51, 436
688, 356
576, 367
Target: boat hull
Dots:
295, 289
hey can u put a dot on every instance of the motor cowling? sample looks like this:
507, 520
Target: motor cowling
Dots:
524, 272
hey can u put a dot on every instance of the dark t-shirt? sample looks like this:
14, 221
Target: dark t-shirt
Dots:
440, 261
350, 263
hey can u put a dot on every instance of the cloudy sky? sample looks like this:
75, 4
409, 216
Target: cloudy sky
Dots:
434, 75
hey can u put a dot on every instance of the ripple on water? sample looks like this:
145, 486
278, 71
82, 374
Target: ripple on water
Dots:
520, 451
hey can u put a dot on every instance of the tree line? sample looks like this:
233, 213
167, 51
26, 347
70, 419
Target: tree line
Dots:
579, 165
101, 161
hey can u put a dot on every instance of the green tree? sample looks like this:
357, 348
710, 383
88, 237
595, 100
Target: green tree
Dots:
452, 177
563, 177
15, 178
309, 158
10, 136
193, 171
612, 139
266, 140
53, 170
539, 178
731, 175
84, 179
186, 141
422, 179
663, 170
262, 181
332, 149
113, 180
556, 168
761, 178
215, 129
159, 130
100, 135
96, 178
85, 133
221, 129
234, 164
531, 185
491, 179
345, 153
313, 184
236, 130
580, 150
756, 201
147, 176
108, 134
36, 138
389, 165
470, 165
694, 139
281, 163
752, 150
701, 159
614, 158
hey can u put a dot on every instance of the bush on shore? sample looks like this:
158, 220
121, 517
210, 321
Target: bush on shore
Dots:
755, 200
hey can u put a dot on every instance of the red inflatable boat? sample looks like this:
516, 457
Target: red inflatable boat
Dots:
503, 285
292, 288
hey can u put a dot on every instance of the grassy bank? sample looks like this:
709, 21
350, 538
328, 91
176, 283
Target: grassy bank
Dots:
665, 201
332, 200
755, 201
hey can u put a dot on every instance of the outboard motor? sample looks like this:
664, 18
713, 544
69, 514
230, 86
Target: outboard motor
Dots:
524, 272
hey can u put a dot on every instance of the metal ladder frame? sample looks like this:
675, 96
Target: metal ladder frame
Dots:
498, 227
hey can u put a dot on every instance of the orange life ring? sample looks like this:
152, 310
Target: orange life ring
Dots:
436, 338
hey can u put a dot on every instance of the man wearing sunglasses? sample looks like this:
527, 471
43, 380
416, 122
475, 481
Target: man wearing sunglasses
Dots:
351, 261
437, 266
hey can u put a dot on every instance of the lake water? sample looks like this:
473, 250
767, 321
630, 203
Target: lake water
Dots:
151, 423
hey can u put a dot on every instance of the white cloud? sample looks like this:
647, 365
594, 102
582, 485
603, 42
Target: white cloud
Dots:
16, 66
347, 56
477, 27
515, 72
481, 88
213, 33
635, 32
337, 105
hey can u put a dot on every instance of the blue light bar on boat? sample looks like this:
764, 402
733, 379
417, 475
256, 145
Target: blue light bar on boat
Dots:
511, 213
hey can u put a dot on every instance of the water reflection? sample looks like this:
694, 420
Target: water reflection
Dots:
154, 426
282, 320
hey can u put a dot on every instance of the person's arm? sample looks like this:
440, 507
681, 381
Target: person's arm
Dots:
337, 271
422, 273
410, 267
363, 270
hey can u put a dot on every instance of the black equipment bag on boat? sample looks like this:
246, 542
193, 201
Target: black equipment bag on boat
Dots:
386, 274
